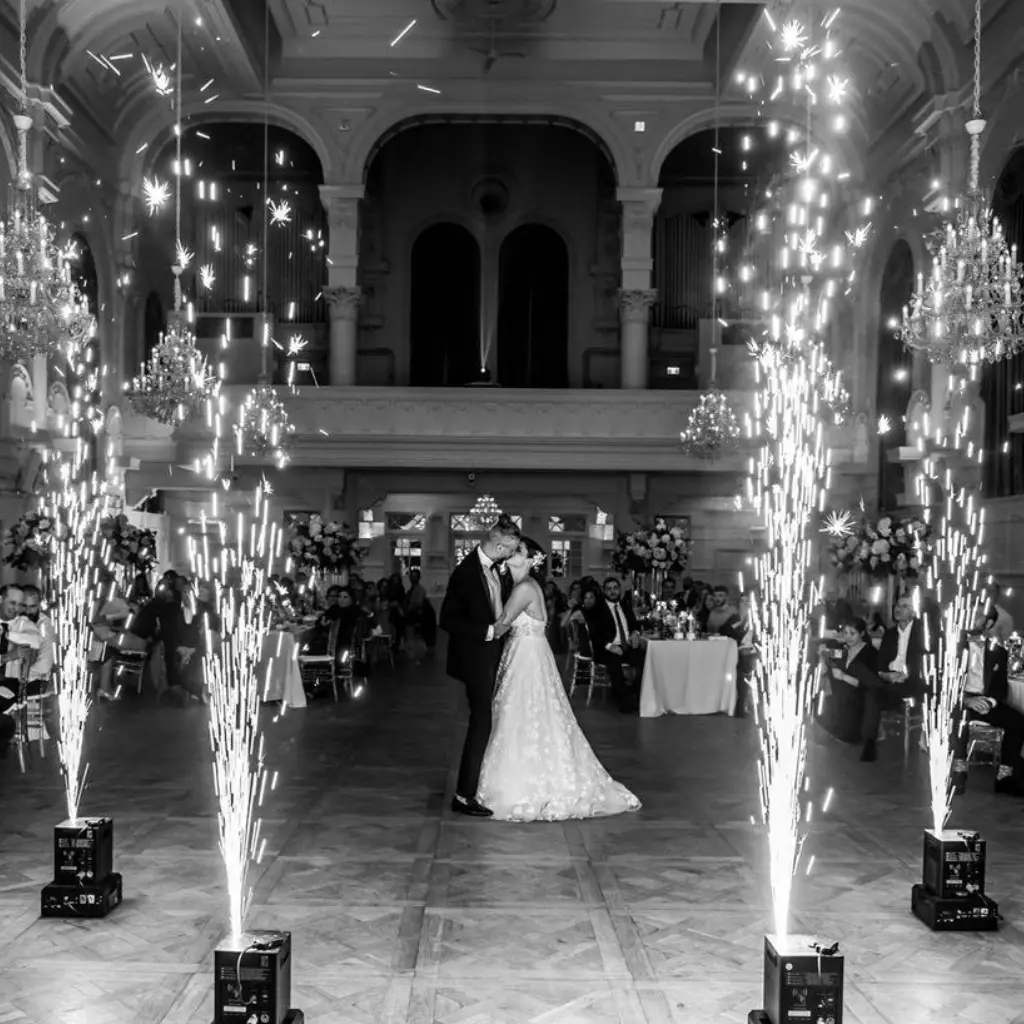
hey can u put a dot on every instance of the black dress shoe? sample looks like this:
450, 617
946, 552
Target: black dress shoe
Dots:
473, 808
870, 751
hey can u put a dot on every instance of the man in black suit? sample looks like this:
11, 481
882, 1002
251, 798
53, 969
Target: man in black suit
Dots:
473, 603
616, 640
900, 667
985, 699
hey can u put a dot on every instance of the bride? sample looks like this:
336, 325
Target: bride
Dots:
539, 765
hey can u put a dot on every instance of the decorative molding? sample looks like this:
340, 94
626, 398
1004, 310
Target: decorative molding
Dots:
343, 301
341, 204
635, 304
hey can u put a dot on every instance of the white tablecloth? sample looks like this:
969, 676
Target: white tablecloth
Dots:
1017, 693
279, 670
689, 677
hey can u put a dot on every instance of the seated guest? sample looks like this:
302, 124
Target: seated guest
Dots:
999, 622
704, 609
688, 597
723, 617
20, 639
876, 629
616, 639
42, 666
984, 700
201, 634
902, 650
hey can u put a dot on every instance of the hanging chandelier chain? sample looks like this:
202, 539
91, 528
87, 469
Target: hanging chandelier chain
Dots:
718, 128
177, 132
977, 58
23, 53
266, 150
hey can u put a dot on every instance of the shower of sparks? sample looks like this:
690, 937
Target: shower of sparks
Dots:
296, 343
162, 80
857, 239
240, 570
156, 194
837, 88
280, 212
401, 35
954, 576
800, 395
838, 525
790, 479
183, 256
207, 278
74, 582
884, 425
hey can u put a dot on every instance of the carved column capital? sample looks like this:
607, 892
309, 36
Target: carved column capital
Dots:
343, 301
341, 203
635, 304
639, 206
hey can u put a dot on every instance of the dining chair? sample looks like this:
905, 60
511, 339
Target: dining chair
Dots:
586, 671
905, 721
319, 669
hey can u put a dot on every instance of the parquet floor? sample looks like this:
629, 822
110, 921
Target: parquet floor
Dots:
402, 914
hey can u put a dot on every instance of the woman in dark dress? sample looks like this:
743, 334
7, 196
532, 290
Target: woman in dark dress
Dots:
849, 676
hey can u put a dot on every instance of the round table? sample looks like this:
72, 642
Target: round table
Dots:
279, 669
689, 677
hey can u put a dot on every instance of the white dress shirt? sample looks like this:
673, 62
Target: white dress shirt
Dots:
899, 663
43, 665
621, 629
493, 588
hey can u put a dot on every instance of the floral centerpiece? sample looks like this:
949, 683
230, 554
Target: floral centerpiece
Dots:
29, 541
319, 547
658, 549
890, 547
131, 546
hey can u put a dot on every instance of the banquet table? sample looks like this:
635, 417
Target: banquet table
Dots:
279, 669
689, 677
1017, 693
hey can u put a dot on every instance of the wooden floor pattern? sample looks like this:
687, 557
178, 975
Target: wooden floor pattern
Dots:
403, 914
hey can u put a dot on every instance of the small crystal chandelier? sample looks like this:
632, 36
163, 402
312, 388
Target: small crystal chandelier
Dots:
263, 428
971, 309
486, 510
41, 311
176, 382
712, 430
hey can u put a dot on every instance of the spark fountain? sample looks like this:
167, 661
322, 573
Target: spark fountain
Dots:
800, 395
252, 968
951, 895
84, 882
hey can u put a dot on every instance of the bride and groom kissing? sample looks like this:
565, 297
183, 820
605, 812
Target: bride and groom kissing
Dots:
525, 757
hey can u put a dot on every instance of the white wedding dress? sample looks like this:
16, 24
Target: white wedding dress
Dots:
539, 765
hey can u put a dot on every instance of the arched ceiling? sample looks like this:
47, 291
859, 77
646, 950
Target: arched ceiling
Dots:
899, 51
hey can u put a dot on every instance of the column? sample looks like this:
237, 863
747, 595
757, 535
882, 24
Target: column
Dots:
639, 205
341, 202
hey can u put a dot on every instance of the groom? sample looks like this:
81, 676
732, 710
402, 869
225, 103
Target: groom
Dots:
472, 606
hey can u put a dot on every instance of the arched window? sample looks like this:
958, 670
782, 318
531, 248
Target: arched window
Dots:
533, 309
892, 392
444, 311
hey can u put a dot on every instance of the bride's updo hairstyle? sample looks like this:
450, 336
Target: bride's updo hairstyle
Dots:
537, 557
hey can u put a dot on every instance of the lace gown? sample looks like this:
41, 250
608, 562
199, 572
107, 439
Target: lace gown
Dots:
539, 765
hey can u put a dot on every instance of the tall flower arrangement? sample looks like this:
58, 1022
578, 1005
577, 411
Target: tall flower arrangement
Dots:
890, 547
131, 546
659, 548
319, 547
29, 541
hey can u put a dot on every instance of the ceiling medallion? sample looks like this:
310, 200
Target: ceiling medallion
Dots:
520, 12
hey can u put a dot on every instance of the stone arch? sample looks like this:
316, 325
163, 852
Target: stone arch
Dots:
156, 131
746, 115
373, 134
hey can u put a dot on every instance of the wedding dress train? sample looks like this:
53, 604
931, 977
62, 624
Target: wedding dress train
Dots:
539, 765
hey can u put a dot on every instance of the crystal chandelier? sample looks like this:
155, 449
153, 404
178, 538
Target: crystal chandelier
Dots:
970, 310
41, 311
263, 428
486, 510
176, 382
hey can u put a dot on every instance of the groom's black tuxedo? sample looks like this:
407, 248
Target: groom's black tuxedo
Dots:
466, 616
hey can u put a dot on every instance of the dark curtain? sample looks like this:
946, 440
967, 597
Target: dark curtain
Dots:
444, 327
533, 309
892, 393
1004, 470
153, 322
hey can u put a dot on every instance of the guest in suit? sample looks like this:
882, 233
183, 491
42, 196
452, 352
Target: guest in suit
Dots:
985, 699
616, 640
689, 597
900, 668
472, 605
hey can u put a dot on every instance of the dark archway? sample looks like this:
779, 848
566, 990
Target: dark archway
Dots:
152, 323
533, 309
444, 311
892, 389
1004, 452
